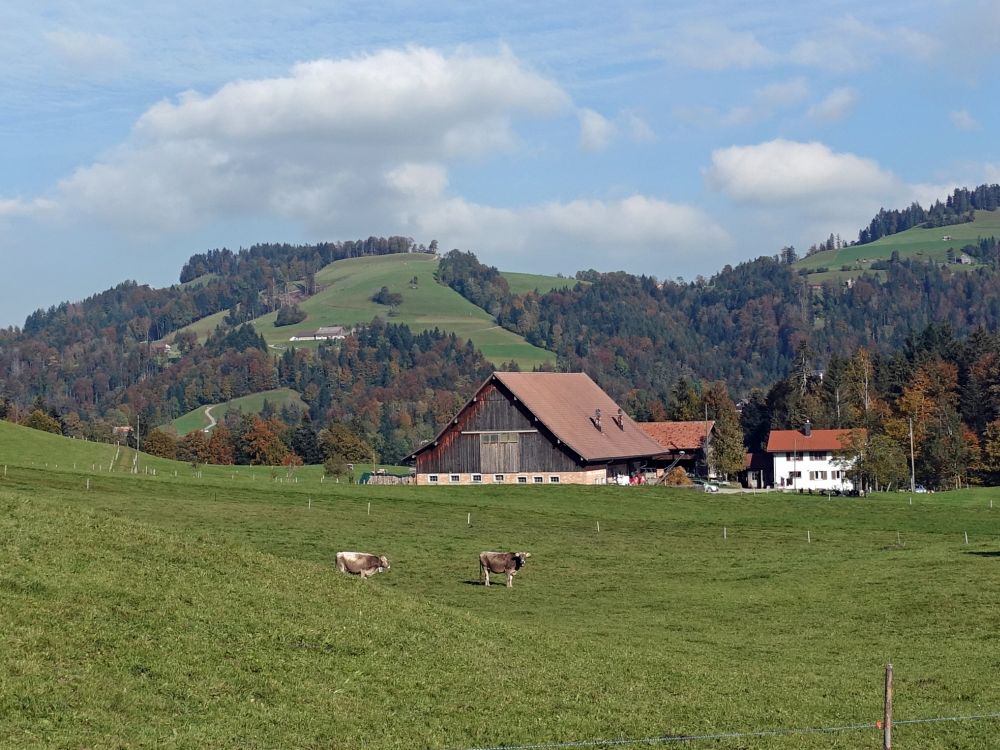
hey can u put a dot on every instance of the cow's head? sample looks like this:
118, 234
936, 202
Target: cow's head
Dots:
520, 558
383, 562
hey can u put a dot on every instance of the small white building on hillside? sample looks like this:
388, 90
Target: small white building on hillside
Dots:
808, 459
323, 333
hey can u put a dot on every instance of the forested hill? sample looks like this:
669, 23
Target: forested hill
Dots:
744, 326
248, 283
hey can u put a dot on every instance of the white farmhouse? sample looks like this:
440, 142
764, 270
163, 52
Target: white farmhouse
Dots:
807, 459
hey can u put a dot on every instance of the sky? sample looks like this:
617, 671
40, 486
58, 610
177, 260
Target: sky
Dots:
668, 139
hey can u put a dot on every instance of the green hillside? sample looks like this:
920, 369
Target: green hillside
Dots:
195, 612
198, 419
345, 299
522, 283
916, 243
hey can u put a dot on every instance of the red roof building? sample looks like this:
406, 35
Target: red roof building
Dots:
808, 459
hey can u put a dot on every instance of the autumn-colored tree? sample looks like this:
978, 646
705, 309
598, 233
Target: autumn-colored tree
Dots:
262, 443
194, 448
160, 443
220, 446
39, 420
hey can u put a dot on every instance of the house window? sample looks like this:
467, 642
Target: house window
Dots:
432, 478
455, 478
554, 479
538, 480
477, 478
795, 475
522, 480
498, 478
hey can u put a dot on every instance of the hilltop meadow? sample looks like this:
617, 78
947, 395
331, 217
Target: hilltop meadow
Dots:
202, 610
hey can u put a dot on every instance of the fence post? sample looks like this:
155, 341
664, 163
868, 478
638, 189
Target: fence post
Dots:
887, 719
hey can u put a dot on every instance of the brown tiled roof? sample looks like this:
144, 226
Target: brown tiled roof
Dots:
678, 436
566, 402
819, 440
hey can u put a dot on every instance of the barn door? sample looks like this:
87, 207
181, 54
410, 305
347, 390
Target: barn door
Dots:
499, 453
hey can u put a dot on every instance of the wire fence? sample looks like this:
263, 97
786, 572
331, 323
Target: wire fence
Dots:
749, 734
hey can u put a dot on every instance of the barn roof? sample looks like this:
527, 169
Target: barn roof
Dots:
567, 404
818, 440
678, 436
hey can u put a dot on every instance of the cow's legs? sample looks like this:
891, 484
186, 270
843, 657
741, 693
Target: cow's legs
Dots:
486, 575
510, 580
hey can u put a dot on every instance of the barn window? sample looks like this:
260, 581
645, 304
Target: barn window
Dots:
508, 437
498, 478
489, 438
477, 477
432, 478
554, 479
538, 480
522, 480
454, 478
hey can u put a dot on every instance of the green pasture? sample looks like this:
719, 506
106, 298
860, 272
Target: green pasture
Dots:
522, 283
916, 243
197, 419
346, 300
201, 612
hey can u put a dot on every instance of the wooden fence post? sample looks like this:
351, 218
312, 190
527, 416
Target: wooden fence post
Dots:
887, 719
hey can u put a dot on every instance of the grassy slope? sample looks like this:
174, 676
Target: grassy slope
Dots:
197, 420
205, 613
522, 283
917, 243
346, 300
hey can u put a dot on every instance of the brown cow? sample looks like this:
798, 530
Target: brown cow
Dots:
361, 563
501, 562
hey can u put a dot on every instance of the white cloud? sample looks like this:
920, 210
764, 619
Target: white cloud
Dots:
782, 170
712, 46
18, 207
637, 228
782, 93
596, 131
88, 52
338, 147
333, 139
848, 44
811, 187
637, 128
962, 120
836, 106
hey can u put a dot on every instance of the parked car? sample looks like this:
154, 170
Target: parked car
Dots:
705, 485
920, 489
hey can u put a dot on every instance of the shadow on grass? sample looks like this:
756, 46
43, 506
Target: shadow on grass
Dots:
984, 554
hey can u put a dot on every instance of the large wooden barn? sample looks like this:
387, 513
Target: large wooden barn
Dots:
536, 428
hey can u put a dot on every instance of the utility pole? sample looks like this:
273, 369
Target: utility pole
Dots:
913, 475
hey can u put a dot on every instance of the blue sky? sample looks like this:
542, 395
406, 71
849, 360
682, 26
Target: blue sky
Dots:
662, 138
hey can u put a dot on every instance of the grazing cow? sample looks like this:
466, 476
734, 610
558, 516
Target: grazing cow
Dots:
361, 563
501, 562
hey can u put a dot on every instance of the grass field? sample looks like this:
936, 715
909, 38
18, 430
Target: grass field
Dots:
197, 419
199, 613
916, 243
522, 283
346, 300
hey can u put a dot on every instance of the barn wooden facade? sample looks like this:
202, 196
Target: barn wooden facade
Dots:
535, 428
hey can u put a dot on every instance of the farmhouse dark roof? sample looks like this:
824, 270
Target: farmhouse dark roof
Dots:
678, 436
819, 440
566, 404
